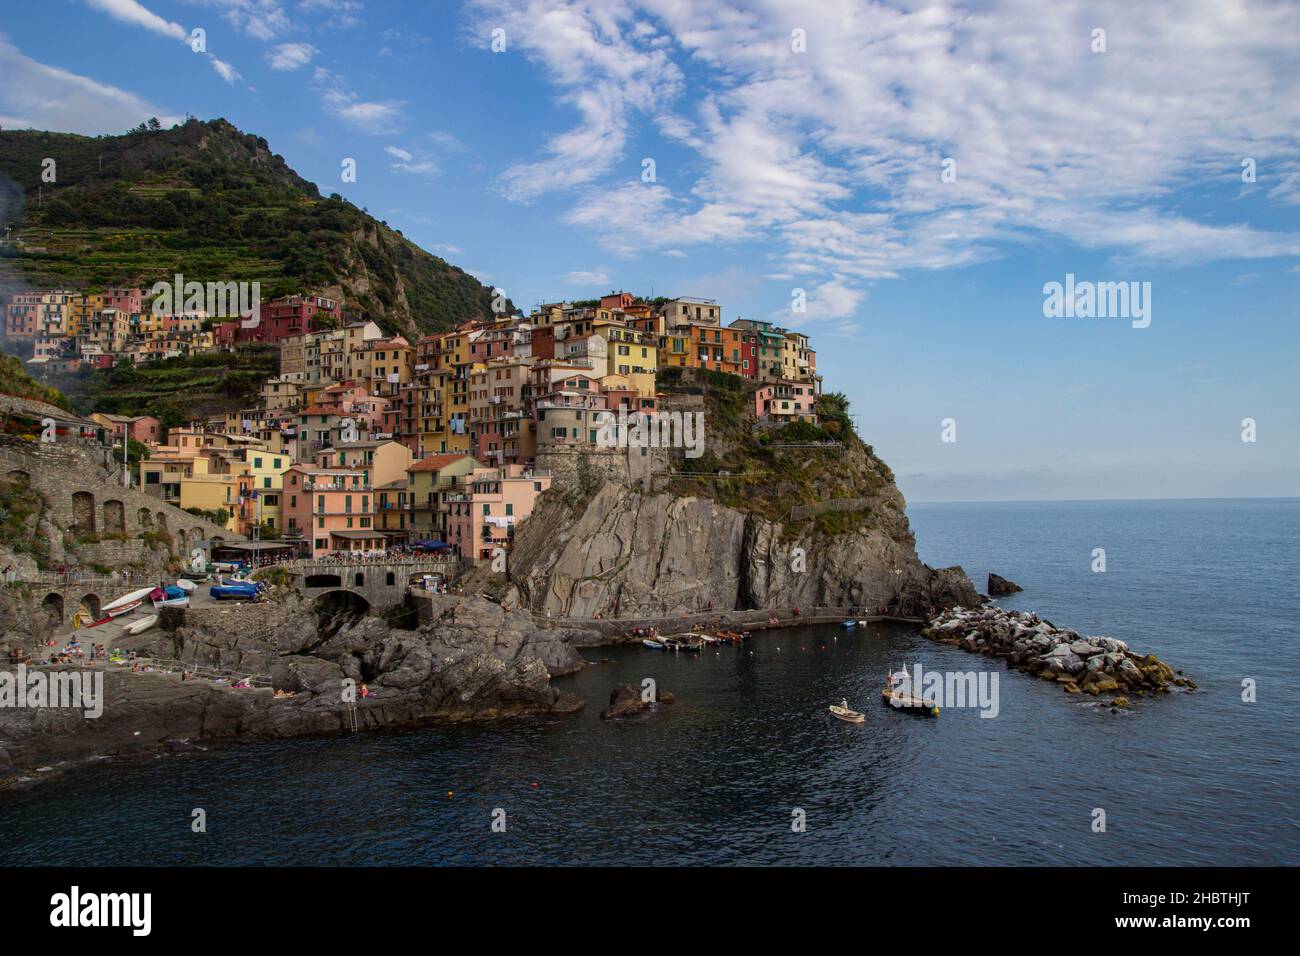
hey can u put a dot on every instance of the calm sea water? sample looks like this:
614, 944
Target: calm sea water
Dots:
1203, 778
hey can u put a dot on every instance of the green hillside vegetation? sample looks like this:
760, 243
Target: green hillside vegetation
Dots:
214, 203
176, 391
14, 380
762, 477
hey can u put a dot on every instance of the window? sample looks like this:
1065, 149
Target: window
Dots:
487, 509
257, 463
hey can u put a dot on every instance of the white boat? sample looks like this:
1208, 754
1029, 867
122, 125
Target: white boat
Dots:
186, 585
173, 602
128, 602
142, 625
844, 713
657, 645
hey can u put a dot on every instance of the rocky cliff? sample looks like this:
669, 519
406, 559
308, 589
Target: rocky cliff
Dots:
626, 553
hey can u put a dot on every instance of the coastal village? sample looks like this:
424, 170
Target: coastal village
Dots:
366, 442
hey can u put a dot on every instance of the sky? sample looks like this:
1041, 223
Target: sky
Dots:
901, 181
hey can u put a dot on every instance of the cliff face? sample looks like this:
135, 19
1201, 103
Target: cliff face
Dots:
630, 554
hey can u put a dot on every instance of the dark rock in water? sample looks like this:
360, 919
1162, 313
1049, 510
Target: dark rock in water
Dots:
627, 701
1000, 586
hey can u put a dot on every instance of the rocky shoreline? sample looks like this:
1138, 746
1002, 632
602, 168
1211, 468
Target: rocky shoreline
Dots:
474, 661
1091, 665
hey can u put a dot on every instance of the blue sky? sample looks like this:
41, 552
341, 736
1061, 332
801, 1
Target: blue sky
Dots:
801, 146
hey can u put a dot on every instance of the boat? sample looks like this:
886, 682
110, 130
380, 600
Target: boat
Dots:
849, 623
897, 693
193, 576
238, 590
142, 625
657, 645
186, 585
844, 713
127, 602
171, 597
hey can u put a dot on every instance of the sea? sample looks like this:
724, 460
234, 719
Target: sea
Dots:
748, 767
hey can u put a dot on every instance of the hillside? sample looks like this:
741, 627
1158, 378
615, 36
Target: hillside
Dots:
212, 202
14, 380
177, 390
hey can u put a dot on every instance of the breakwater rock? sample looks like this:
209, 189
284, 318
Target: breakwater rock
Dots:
1092, 665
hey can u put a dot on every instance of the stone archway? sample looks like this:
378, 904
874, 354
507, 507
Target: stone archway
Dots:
88, 611
114, 517
53, 606
323, 581
145, 519
19, 475
83, 512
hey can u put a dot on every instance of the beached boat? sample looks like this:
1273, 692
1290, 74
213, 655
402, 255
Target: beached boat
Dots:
186, 585
171, 597
897, 693
192, 576
657, 645
239, 590
142, 625
127, 602
844, 713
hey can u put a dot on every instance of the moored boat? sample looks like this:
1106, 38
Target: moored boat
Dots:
657, 645
897, 693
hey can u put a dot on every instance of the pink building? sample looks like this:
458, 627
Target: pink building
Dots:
329, 509
483, 517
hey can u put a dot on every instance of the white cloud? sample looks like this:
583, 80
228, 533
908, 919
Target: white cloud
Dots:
224, 69
369, 116
129, 11
835, 154
37, 96
402, 154
587, 278
290, 56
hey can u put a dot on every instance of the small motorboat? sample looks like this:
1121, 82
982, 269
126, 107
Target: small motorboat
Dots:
193, 576
127, 602
844, 713
657, 645
849, 623
142, 625
186, 585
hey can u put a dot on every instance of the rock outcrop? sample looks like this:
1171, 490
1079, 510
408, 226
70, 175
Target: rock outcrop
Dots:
1001, 587
474, 661
626, 553
628, 701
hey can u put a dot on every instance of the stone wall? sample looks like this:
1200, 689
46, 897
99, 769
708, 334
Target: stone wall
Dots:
82, 502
